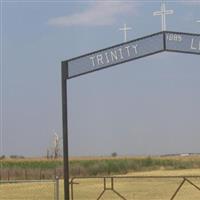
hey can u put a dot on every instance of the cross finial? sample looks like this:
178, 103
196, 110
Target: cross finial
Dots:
125, 29
163, 12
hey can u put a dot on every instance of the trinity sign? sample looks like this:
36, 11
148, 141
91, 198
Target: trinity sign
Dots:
163, 41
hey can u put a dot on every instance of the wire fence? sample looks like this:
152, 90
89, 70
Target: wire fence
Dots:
105, 188
30, 174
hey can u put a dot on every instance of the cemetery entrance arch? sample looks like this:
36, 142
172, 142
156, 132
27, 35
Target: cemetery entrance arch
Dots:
152, 44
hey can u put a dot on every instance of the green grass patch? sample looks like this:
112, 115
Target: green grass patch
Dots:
104, 166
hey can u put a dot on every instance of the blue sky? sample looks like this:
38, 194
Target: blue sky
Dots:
148, 106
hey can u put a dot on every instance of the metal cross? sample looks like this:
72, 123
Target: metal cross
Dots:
125, 29
163, 14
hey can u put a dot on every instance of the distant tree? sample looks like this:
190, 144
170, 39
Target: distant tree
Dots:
56, 148
2, 157
48, 154
114, 154
17, 157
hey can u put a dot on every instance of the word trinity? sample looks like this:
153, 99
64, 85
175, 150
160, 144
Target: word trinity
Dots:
115, 55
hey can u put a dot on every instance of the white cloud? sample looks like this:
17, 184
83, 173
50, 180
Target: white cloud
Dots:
97, 14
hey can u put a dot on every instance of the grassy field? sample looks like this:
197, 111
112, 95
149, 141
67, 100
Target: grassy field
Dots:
92, 166
130, 188
91, 188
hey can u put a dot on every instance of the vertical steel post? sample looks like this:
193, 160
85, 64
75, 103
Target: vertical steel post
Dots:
64, 72
164, 40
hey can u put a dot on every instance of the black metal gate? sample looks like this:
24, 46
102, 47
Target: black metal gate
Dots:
113, 184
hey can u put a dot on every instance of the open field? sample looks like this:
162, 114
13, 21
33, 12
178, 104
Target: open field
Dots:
96, 167
130, 188
29, 169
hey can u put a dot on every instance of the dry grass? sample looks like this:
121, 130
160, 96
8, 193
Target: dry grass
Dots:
77, 158
27, 191
131, 189
141, 189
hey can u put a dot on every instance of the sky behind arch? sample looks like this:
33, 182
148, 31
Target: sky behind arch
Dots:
148, 106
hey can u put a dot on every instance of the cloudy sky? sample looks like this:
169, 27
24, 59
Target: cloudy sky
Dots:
144, 107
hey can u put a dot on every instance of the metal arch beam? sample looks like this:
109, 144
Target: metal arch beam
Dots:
149, 45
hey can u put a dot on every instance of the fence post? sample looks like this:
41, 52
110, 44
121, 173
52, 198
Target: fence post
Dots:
40, 173
55, 173
56, 188
8, 175
26, 175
